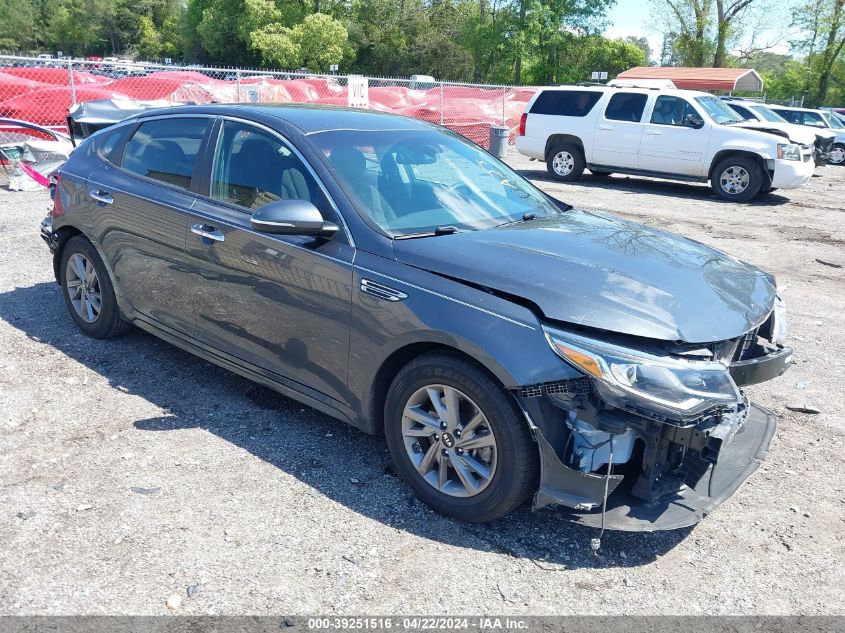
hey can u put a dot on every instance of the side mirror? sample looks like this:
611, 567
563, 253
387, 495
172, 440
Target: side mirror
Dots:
694, 121
291, 217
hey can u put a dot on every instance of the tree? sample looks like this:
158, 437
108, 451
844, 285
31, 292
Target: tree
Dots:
322, 41
17, 26
823, 22
148, 42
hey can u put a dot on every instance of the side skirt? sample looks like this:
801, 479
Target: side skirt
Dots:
256, 374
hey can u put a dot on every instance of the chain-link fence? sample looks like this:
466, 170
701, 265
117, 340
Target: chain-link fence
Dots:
41, 91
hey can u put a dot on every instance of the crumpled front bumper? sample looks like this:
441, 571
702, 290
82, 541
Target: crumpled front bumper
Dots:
738, 459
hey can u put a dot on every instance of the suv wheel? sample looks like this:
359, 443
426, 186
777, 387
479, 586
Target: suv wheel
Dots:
737, 178
87, 290
458, 440
565, 162
837, 154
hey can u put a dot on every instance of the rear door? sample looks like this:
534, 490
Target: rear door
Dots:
616, 141
142, 218
671, 146
279, 302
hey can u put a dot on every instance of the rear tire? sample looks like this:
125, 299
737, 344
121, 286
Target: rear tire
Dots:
837, 154
565, 162
737, 178
487, 435
88, 291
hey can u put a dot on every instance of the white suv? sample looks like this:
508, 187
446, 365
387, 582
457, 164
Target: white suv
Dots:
819, 120
677, 134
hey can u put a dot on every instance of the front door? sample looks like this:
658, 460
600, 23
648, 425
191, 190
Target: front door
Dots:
669, 144
141, 218
280, 303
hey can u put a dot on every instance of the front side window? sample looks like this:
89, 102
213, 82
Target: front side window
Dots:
670, 110
253, 167
166, 149
789, 115
626, 106
768, 114
813, 119
413, 181
566, 102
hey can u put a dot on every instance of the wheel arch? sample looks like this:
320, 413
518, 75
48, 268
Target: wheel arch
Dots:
562, 138
402, 356
726, 153
63, 234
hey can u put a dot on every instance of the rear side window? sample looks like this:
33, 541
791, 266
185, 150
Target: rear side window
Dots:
565, 102
166, 150
107, 143
626, 106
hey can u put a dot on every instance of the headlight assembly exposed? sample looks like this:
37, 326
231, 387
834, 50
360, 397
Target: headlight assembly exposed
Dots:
670, 386
789, 151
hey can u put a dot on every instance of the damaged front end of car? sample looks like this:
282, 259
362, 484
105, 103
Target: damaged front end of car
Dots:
654, 435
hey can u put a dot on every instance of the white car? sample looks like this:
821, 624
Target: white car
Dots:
663, 133
819, 120
762, 117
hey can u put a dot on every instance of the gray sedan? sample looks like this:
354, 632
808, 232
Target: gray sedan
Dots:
395, 276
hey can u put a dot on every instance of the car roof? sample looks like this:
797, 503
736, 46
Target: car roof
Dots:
774, 106
679, 92
309, 118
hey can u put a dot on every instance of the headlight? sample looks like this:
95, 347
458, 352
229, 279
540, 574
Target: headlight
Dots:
667, 385
789, 151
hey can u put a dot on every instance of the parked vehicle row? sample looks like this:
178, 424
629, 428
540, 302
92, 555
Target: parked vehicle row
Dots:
673, 134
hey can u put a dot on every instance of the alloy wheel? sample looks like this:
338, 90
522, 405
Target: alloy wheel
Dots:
83, 287
734, 180
449, 440
563, 163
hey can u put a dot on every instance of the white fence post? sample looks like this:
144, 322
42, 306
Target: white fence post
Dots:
71, 82
441, 103
238, 79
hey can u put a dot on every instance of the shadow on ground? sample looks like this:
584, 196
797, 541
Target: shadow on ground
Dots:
634, 184
294, 438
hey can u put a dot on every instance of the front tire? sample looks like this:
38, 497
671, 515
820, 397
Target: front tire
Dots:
88, 291
565, 162
458, 440
837, 154
737, 178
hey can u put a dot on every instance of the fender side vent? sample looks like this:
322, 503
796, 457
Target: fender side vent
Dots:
574, 387
381, 291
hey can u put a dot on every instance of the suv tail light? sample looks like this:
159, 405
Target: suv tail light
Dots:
522, 120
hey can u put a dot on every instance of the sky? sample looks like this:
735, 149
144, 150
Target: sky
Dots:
634, 17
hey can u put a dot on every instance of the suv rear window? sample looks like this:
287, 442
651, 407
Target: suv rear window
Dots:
566, 102
626, 106
166, 149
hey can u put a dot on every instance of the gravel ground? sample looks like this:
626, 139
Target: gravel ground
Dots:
131, 471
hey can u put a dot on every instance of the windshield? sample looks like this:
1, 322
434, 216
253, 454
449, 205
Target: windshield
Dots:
718, 110
768, 114
832, 120
417, 181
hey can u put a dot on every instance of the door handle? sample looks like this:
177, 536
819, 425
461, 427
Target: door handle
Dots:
653, 132
605, 127
208, 232
103, 197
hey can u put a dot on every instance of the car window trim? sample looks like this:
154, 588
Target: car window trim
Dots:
607, 105
161, 183
208, 159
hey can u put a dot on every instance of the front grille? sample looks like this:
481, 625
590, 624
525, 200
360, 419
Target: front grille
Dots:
574, 387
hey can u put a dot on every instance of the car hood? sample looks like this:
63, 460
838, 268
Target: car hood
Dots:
795, 133
601, 272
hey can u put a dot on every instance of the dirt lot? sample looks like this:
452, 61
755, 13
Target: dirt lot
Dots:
130, 471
